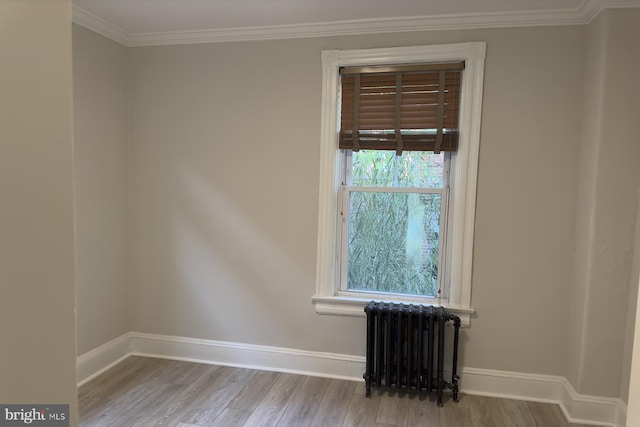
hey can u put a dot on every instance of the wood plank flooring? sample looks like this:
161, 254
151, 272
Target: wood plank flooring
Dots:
155, 392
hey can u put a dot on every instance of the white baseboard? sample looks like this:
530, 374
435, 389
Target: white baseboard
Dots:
578, 408
582, 409
621, 415
98, 360
225, 353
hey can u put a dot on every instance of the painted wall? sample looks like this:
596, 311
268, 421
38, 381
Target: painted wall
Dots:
607, 204
586, 194
225, 155
526, 199
37, 321
617, 201
101, 167
630, 384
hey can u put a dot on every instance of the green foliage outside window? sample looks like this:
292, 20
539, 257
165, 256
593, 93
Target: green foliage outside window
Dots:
394, 236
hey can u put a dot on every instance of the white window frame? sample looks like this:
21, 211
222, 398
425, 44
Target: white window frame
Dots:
328, 298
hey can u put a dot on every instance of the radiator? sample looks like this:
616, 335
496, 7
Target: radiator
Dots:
406, 348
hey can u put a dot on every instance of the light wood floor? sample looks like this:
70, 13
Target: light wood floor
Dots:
148, 392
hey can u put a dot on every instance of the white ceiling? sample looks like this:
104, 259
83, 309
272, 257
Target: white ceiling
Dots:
139, 22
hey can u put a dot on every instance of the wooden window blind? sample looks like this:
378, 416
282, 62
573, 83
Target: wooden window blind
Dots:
412, 108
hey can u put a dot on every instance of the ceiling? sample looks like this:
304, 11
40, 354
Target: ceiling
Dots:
138, 22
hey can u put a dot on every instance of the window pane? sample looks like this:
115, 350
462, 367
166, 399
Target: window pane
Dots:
394, 242
414, 169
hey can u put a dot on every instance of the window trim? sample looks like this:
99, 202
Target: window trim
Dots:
463, 174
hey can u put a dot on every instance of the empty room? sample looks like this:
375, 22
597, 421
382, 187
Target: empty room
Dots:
199, 201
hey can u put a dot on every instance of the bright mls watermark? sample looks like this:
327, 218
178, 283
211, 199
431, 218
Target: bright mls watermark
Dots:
34, 415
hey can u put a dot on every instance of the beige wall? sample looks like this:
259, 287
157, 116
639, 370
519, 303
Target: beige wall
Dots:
586, 194
224, 212
37, 323
630, 372
526, 199
617, 201
101, 167
609, 182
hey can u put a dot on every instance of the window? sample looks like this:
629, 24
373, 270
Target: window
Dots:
397, 200
392, 208
395, 123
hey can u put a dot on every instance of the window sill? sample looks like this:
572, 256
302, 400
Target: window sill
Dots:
353, 306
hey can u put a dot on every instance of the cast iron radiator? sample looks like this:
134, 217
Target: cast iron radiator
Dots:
405, 348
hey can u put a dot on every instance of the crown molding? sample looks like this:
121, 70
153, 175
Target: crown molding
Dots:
590, 9
358, 27
584, 14
99, 25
